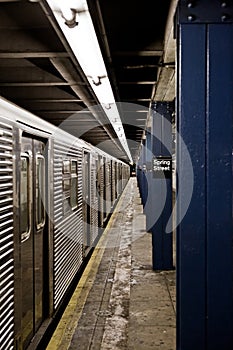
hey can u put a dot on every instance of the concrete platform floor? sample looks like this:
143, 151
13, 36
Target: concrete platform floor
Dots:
120, 302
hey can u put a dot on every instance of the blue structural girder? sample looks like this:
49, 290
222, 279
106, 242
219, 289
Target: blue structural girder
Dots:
205, 124
156, 192
148, 175
160, 187
144, 180
141, 174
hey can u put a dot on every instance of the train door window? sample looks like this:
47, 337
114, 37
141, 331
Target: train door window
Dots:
66, 167
66, 194
66, 186
74, 184
24, 198
86, 199
40, 191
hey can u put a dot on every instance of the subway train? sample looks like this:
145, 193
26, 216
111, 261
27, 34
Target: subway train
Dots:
56, 193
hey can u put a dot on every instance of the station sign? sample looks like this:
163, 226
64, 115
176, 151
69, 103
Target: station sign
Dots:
162, 167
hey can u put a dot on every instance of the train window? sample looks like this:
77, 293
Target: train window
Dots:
40, 191
66, 166
24, 198
74, 184
74, 167
66, 184
73, 194
66, 205
70, 185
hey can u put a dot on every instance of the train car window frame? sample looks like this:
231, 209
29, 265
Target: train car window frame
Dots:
66, 166
70, 185
40, 192
66, 183
74, 184
25, 196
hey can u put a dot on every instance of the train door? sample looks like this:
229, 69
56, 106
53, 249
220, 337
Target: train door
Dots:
86, 200
94, 199
116, 180
100, 191
32, 223
104, 187
113, 189
108, 186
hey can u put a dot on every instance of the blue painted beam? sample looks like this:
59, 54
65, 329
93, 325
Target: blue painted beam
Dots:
139, 175
219, 169
149, 200
144, 179
160, 187
191, 276
204, 121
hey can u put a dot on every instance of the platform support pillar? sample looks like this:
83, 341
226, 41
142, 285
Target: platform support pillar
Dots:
139, 174
204, 122
149, 202
160, 186
144, 180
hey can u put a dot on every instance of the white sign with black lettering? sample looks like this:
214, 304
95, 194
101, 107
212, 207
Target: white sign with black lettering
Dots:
162, 167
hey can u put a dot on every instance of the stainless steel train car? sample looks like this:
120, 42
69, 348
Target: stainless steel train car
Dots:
56, 192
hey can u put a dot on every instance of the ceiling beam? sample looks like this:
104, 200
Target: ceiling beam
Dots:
137, 82
33, 54
36, 84
58, 112
49, 100
137, 99
139, 53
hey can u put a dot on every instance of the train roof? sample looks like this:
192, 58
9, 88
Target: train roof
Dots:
20, 116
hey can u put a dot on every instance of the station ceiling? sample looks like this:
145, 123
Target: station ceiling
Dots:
39, 71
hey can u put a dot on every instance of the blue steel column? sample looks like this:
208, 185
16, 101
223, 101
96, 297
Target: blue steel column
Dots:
149, 202
204, 121
144, 179
161, 188
139, 173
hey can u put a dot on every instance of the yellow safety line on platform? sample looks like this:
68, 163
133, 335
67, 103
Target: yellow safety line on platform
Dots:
63, 334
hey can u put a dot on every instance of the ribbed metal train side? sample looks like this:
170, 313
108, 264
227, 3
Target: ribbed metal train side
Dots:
107, 185
100, 190
78, 197
120, 187
116, 179
68, 223
6, 239
125, 175
94, 229
113, 184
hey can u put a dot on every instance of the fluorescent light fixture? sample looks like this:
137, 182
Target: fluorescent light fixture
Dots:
81, 36
70, 16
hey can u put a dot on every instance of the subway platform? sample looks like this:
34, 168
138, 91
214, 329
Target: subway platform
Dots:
120, 302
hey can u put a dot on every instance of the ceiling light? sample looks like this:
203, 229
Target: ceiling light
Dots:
96, 80
84, 44
70, 16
